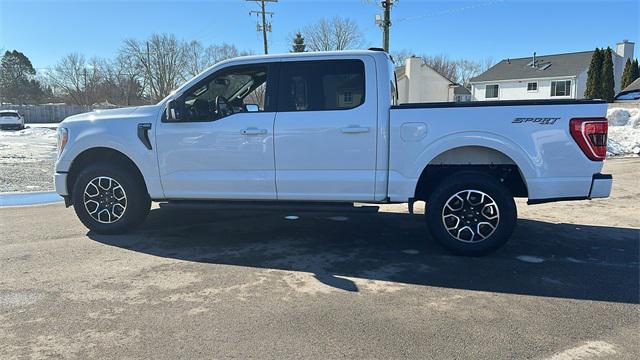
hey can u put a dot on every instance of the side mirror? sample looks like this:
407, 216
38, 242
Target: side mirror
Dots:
172, 114
252, 107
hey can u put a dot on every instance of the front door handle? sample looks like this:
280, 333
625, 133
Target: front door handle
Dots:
253, 131
354, 129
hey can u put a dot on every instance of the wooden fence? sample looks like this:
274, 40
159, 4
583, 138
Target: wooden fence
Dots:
53, 113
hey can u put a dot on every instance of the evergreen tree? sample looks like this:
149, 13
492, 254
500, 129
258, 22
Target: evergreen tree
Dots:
298, 43
594, 76
607, 84
16, 79
636, 71
627, 74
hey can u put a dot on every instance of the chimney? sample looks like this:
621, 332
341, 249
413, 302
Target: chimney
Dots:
533, 63
412, 64
625, 50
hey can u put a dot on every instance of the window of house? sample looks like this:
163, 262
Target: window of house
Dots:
532, 86
321, 85
491, 91
347, 97
561, 88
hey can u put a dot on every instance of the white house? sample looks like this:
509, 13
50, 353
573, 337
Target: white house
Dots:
559, 76
419, 83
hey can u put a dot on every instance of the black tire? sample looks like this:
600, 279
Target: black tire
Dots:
136, 201
488, 234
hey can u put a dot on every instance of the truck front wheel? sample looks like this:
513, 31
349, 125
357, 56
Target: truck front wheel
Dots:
108, 199
471, 213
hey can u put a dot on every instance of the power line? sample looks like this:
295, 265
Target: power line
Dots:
265, 26
452, 11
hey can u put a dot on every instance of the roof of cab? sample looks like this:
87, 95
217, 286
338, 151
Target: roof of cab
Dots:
319, 54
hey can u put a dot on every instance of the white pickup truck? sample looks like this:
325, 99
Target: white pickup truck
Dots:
318, 128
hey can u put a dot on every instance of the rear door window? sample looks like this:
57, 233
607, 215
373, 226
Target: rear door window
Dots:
321, 85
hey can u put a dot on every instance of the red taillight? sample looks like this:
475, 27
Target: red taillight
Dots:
591, 136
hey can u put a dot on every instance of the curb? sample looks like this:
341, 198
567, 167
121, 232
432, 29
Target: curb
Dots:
13, 199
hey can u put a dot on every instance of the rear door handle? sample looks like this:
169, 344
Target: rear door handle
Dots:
253, 131
354, 129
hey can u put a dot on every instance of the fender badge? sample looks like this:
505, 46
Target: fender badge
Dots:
539, 120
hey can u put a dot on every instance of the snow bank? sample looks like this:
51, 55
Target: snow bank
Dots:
624, 132
27, 145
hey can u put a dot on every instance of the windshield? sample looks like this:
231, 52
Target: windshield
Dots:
8, 114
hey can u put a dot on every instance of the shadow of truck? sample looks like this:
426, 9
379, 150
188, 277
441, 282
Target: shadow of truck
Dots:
542, 259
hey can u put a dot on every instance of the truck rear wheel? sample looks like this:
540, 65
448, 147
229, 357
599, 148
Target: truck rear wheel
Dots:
108, 199
471, 213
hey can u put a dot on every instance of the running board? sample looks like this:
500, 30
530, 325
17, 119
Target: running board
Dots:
301, 206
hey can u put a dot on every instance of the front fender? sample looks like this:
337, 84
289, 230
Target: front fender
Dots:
120, 135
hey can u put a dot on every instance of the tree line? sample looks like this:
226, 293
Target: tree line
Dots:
600, 77
142, 72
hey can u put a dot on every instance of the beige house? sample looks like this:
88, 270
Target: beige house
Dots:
419, 83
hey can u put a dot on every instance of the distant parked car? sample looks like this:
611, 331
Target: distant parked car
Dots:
11, 119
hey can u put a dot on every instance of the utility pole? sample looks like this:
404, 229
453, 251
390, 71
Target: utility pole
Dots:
266, 26
385, 23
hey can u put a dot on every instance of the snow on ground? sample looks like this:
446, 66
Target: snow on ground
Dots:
624, 132
27, 158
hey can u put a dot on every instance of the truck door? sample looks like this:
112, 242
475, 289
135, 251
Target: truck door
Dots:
325, 130
221, 144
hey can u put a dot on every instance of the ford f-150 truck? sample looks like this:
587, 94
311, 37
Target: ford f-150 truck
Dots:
325, 127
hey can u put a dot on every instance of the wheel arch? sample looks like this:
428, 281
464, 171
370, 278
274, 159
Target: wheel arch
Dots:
97, 154
482, 158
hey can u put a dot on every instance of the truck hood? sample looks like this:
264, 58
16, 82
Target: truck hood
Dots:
121, 114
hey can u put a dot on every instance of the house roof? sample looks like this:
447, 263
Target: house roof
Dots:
633, 86
402, 71
558, 65
461, 90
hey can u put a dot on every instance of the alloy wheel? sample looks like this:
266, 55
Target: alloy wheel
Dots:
470, 216
105, 199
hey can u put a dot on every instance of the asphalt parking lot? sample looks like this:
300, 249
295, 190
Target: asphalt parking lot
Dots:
251, 284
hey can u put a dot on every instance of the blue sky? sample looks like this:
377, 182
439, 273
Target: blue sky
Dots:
47, 30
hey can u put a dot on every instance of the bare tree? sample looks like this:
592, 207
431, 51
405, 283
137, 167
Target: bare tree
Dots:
458, 71
465, 70
443, 65
400, 57
486, 63
129, 74
198, 58
162, 61
69, 78
195, 59
335, 34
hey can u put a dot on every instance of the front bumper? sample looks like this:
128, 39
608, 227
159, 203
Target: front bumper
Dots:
16, 126
60, 183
